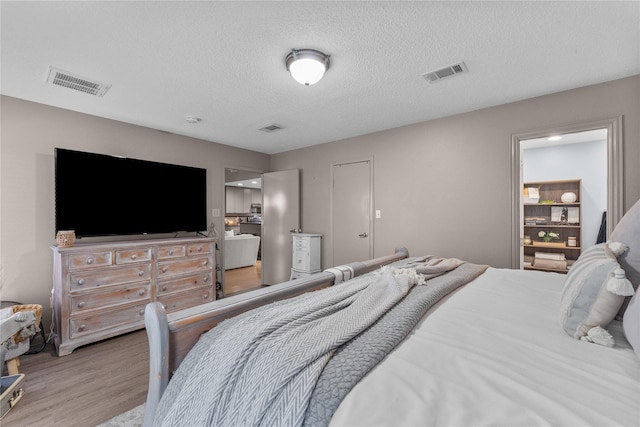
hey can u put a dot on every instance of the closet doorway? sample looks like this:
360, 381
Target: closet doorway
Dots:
351, 207
611, 131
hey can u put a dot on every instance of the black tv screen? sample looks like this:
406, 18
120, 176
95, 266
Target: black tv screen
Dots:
101, 195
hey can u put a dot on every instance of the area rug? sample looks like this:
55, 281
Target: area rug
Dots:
132, 418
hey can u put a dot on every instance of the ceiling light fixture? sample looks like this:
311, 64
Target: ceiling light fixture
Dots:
554, 138
192, 120
307, 66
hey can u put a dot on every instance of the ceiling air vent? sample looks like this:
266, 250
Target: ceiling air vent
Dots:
73, 81
271, 128
443, 73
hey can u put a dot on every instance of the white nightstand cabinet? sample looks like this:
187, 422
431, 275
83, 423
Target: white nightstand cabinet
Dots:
306, 254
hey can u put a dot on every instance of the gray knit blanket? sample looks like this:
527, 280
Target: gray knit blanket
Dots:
290, 363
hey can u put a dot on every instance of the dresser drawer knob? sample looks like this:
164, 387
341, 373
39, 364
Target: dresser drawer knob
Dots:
171, 252
164, 269
205, 262
205, 279
199, 248
82, 327
141, 312
141, 273
90, 260
81, 304
164, 306
80, 282
164, 289
206, 295
134, 256
141, 292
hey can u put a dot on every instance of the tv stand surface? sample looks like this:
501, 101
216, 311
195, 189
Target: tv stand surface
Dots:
100, 290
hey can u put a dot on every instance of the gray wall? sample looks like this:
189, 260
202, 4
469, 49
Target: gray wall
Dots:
29, 134
443, 185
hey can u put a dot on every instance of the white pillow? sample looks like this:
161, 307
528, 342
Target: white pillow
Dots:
628, 232
586, 303
631, 323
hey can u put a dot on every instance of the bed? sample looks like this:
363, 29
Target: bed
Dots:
488, 346
240, 250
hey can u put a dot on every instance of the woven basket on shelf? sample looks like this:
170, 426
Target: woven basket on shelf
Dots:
65, 239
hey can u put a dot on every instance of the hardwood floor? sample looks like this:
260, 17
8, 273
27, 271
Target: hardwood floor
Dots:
244, 279
98, 381
86, 388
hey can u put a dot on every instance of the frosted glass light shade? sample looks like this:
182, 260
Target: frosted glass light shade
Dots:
307, 71
307, 66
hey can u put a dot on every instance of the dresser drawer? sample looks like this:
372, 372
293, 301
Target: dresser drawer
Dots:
301, 260
90, 260
90, 323
199, 248
184, 300
113, 296
133, 255
184, 283
185, 265
109, 276
176, 251
301, 244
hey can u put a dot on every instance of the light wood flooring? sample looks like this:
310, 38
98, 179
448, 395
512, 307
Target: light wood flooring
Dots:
86, 388
243, 279
98, 381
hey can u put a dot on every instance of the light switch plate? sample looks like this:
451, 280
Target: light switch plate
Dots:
378, 214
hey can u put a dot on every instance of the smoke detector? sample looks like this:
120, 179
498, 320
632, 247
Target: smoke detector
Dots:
192, 120
271, 128
73, 81
445, 72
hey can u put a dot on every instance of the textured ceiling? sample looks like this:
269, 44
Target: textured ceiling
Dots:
224, 61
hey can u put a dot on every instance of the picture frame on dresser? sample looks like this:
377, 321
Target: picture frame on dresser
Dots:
100, 290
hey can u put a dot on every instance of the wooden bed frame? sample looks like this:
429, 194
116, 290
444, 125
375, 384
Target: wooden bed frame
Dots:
171, 336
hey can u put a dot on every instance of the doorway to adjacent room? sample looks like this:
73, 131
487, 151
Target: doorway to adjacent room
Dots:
612, 131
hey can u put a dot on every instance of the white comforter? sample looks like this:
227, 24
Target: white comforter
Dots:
494, 354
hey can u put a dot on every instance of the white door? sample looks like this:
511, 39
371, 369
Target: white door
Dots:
351, 206
280, 218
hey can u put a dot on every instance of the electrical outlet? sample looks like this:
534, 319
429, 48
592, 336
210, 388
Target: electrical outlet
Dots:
378, 214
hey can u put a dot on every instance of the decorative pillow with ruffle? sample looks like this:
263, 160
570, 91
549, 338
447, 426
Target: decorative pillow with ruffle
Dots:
593, 292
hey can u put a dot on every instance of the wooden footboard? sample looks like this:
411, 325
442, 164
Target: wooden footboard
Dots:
171, 336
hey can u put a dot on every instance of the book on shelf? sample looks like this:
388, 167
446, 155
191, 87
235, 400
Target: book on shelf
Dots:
552, 256
530, 220
550, 263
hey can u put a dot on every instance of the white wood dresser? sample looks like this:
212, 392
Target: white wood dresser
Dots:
306, 252
100, 290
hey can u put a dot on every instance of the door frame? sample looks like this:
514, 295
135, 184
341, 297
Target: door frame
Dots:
615, 174
371, 203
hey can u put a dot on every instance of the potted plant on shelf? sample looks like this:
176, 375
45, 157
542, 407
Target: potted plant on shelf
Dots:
548, 236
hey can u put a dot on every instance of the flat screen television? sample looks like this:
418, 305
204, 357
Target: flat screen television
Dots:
102, 195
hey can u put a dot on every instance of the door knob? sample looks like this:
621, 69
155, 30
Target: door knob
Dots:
296, 230
363, 235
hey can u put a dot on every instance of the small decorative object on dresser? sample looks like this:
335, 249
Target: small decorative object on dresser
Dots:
100, 290
65, 239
